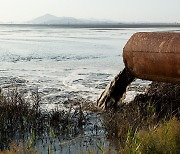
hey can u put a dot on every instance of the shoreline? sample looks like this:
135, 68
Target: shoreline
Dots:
120, 25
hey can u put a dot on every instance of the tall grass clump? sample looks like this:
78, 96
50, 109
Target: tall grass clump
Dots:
23, 121
148, 124
164, 139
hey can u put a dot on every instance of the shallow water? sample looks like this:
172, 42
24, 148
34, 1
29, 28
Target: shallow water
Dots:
64, 64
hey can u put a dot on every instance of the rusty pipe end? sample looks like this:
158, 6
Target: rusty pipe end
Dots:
154, 56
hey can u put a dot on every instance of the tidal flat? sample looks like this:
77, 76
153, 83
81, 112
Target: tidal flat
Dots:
50, 79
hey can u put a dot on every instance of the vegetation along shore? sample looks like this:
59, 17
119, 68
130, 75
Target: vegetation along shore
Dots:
148, 124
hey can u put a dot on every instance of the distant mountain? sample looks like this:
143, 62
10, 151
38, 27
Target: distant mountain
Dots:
44, 19
51, 19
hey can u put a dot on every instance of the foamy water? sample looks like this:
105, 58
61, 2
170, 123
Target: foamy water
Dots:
63, 63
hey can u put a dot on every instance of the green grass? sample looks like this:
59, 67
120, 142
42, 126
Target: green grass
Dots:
150, 124
163, 139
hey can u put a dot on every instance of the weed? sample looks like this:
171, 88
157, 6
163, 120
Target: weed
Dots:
23, 121
148, 111
163, 139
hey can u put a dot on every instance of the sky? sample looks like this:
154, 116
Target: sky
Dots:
118, 10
